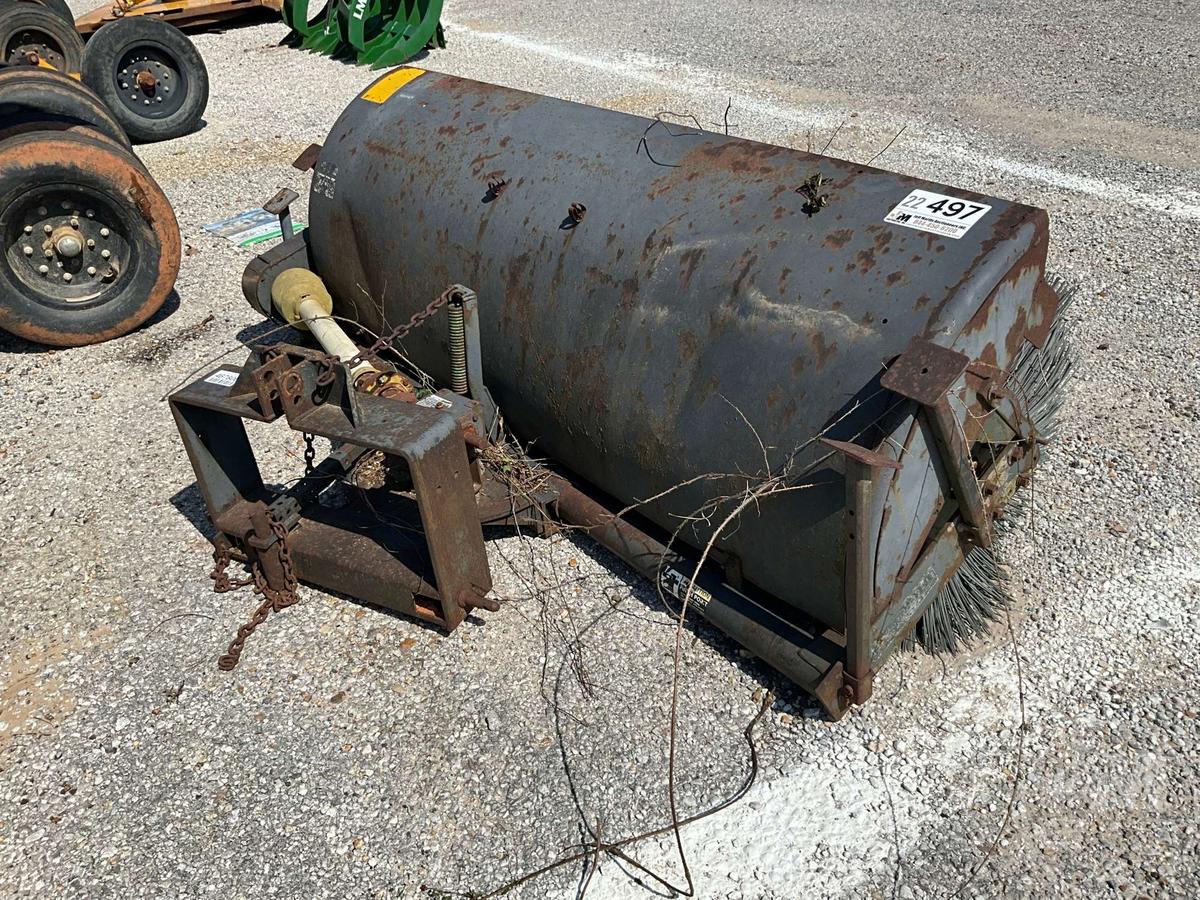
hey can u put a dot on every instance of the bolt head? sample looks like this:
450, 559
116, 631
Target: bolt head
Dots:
104, 254
44, 269
29, 229
104, 232
66, 276
47, 228
69, 245
91, 270
28, 251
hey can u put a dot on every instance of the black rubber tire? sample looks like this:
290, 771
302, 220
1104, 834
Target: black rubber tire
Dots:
157, 47
33, 95
64, 46
55, 180
58, 7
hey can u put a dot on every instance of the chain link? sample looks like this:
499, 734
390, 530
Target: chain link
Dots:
310, 454
222, 583
273, 600
276, 600
327, 365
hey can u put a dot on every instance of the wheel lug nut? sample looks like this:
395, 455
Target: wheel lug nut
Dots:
44, 270
29, 229
104, 232
48, 228
104, 254
91, 244
91, 270
66, 276
28, 251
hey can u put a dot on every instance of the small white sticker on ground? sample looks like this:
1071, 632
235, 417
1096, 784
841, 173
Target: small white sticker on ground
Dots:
937, 213
223, 377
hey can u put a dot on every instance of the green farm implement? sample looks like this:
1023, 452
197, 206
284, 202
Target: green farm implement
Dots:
378, 33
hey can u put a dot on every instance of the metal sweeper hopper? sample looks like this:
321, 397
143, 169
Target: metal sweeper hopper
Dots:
672, 317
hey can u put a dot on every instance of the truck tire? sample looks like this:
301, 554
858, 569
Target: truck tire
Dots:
89, 245
150, 75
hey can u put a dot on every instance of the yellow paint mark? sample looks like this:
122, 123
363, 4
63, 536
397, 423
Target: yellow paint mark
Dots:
390, 83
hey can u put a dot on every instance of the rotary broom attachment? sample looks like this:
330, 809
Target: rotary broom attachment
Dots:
792, 391
977, 594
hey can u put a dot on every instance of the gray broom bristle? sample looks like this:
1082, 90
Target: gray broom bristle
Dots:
977, 594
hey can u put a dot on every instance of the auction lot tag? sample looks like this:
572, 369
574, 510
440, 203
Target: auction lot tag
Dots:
937, 213
223, 377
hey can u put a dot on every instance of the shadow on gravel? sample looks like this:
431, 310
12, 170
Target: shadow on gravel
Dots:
190, 504
10, 343
785, 692
170, 305
269, 328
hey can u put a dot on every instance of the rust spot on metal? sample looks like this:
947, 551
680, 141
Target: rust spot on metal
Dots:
478, 163
747, 260
836, 240
687, 345
821, 350
689, 260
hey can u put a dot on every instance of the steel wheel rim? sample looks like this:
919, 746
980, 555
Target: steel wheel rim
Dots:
66, 247
150, 82
34, 40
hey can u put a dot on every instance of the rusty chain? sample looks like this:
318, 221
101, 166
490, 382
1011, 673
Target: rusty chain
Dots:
276, 600
327, 365
222, 583
310, 454
273, 600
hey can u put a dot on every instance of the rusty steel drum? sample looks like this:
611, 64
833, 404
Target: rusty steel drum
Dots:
660, 303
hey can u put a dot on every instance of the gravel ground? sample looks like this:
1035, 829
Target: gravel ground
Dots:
357, 754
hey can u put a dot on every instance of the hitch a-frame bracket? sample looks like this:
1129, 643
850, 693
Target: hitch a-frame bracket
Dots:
423, 556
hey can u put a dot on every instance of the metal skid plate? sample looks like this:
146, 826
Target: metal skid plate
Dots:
428, 562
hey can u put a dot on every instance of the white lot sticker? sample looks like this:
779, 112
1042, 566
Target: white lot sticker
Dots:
937, 213
433, 401
223, 377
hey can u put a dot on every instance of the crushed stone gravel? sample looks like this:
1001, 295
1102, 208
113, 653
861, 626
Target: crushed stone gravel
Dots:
356, 753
